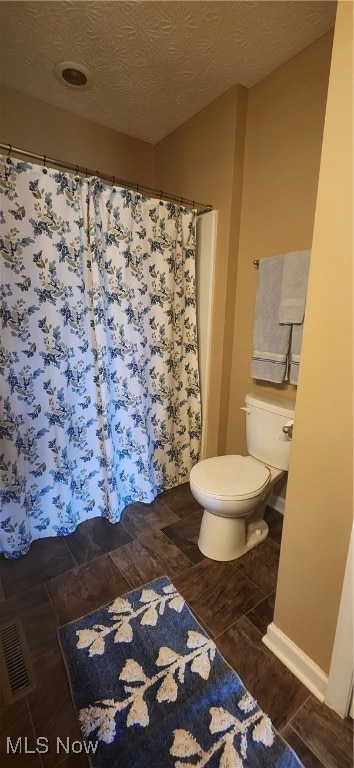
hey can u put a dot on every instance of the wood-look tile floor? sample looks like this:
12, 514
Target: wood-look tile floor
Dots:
62, 579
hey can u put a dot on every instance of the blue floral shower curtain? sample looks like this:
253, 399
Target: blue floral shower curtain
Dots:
99, 394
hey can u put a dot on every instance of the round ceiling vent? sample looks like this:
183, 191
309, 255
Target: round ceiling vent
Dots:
73, 75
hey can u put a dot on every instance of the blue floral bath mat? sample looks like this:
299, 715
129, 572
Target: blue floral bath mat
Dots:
151, 690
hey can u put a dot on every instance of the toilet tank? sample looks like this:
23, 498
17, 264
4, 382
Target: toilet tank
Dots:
266, 415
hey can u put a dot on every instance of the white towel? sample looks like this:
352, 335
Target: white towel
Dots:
294, 287
270, 339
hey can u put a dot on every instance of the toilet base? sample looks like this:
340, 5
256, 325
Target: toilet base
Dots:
227, 538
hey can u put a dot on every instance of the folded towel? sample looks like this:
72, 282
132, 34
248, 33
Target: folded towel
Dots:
295, 344
294, 287
270, 339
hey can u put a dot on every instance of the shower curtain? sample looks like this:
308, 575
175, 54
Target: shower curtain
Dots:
99, 391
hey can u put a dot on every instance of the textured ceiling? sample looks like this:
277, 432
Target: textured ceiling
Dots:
154, 64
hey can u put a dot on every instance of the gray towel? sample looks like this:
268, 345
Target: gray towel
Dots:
296, 339
270, 339
294, 287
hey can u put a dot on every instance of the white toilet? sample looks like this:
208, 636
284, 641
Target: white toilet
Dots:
234, 490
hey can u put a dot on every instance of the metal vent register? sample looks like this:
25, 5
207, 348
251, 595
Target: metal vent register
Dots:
16, 671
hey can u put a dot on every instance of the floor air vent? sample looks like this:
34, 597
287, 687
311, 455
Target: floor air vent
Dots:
17, 674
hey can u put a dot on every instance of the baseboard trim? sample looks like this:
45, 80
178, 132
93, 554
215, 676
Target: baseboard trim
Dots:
304, 668
277, 503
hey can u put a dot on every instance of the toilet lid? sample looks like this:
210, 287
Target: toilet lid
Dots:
230, 476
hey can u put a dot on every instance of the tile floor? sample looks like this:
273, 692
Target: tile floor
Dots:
62, 579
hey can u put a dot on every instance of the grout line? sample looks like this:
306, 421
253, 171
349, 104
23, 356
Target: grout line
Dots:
70, 552
243, 616
57, 618
124, 576
265, 594
180, 551
187, 568
217, 636
260, 601
296, 712
126, 531
19, 595
308, 744
33, 727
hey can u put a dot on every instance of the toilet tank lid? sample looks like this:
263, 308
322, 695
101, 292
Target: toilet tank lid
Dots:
274, 403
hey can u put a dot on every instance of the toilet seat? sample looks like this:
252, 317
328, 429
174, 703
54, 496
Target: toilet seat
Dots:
230, 477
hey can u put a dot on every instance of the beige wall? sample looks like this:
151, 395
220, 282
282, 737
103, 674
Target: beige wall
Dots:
285, 121
203, 160
319, 504
44, 129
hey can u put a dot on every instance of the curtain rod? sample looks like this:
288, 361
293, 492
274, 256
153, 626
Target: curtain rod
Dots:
113, 179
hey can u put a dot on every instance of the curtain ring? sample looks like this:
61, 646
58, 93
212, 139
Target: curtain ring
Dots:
8, 159
137, 188
44, 169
